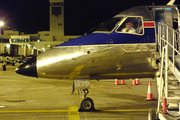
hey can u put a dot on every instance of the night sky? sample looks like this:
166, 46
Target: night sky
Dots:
30, 16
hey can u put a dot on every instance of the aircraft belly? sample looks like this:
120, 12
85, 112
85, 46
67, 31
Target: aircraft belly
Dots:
98, 62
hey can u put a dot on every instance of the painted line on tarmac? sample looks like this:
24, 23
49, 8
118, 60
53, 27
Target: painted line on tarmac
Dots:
33, 111
127, 110
63, 111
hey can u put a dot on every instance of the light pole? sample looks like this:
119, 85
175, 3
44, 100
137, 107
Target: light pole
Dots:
1, 24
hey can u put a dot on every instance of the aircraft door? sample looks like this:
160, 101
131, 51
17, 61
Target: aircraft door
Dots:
166, 15
159, 17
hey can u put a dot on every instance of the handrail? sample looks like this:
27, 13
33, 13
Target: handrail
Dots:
160, 83
168, 39
168, 36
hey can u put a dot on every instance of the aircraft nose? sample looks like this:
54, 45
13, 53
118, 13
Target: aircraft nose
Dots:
28, 68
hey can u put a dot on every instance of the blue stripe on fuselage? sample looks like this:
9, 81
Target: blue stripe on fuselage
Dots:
113, 38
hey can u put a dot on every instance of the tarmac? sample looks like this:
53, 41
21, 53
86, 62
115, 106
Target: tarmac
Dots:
28, 98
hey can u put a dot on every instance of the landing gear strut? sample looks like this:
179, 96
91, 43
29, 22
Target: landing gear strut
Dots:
87, 103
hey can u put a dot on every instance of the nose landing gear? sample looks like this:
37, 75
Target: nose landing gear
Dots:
87, 103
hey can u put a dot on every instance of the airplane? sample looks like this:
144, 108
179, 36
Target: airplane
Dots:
107, 52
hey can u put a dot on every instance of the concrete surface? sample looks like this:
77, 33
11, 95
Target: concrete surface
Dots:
28, 98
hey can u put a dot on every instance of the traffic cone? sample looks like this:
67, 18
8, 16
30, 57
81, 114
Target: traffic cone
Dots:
134, 82
116, 82
122, 82
149, 93
137, 81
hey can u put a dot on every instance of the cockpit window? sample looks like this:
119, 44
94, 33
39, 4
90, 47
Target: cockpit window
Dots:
132, 25
108, 25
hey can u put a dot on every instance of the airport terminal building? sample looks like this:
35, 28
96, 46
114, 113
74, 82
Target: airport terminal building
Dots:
14, 43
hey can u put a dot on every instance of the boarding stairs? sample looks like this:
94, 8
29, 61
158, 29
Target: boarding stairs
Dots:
168, 80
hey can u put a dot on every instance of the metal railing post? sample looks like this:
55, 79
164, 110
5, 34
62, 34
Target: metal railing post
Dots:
160, 84
173, 50
166, 71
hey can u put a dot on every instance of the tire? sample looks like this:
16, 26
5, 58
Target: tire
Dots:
87, 104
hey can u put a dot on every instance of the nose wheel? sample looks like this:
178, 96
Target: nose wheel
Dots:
87, 104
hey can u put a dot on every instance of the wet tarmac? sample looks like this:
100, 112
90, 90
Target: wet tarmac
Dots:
28, 98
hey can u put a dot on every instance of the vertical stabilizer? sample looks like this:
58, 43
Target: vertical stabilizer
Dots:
171, 2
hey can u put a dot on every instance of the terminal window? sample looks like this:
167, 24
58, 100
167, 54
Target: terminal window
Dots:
4, 40
56, 11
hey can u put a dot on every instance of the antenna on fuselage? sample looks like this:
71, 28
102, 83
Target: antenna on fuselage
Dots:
171, 2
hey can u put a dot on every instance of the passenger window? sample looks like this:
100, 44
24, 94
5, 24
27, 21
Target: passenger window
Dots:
132, 25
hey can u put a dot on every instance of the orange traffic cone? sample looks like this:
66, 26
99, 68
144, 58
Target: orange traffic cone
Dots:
116, 82
122, 82
149, 93
137, 81
134, 82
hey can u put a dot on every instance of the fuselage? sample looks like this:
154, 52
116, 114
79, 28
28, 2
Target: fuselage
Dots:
97, 62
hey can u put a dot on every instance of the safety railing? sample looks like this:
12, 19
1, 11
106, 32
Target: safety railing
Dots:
167, 45
170, 37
